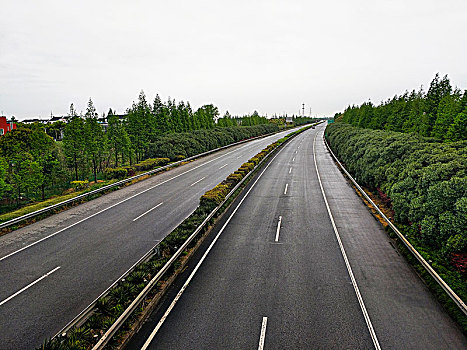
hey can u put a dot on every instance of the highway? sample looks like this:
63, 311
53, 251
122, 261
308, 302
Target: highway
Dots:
299, 262
51, 270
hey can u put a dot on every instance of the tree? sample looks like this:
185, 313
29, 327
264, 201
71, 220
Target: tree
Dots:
457, 131
140, 126
445, 117
438, 89
74, 142
25, 174
95, 140
4, 186
118, 138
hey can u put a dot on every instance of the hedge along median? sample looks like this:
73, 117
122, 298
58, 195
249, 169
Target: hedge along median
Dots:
109, 307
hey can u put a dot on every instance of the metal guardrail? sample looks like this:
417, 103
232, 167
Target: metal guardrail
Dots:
89, 310
140, 298
122, 182
459, 302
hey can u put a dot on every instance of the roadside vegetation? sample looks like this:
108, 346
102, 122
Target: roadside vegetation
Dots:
424, 183
441, 112
45, 161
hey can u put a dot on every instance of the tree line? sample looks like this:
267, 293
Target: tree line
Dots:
423, 180
441, 112
33, 166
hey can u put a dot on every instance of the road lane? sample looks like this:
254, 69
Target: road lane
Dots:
97, 242
300, 283
404, 312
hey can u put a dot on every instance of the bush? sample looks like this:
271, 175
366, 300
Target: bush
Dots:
183, 145
115, 173
79, 185
151, 163
424, 180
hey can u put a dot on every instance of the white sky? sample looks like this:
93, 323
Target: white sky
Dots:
239, 55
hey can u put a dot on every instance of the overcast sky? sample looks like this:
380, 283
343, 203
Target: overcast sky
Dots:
269, 55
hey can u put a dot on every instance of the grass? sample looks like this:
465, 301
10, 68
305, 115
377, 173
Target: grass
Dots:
37, 206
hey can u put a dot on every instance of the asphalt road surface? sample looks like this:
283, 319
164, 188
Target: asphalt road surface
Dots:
51, 270
273, 275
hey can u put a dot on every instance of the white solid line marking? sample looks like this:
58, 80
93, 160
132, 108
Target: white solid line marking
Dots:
172, 305
286, 186
293, 159
223, 166
28, 286
113, 205
194, 183
347, 263
148, 211
290, 170
262, 336
278, 229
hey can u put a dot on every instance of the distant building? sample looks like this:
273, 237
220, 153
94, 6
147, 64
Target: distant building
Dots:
288, 119
6, 126
32, 121
59, 119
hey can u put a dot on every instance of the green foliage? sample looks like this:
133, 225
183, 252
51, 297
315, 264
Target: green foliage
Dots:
115, 173
34, 166
199, 141
151, 163
79, 185
95, 140
439, 113
425, 180
4, 186
74, 144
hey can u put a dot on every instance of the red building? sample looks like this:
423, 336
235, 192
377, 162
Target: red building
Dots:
6, 126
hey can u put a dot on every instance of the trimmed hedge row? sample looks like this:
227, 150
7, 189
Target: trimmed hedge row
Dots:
424, 180
199, 141
175, 147
146, 165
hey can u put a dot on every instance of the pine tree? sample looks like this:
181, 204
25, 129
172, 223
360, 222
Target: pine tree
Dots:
445, 117
95, 139
74, 142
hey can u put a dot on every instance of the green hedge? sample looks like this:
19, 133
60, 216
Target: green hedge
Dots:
425, 180
199, 141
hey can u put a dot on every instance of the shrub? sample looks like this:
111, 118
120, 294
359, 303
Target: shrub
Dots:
151, 163
115, 173
424, 180
79, 185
